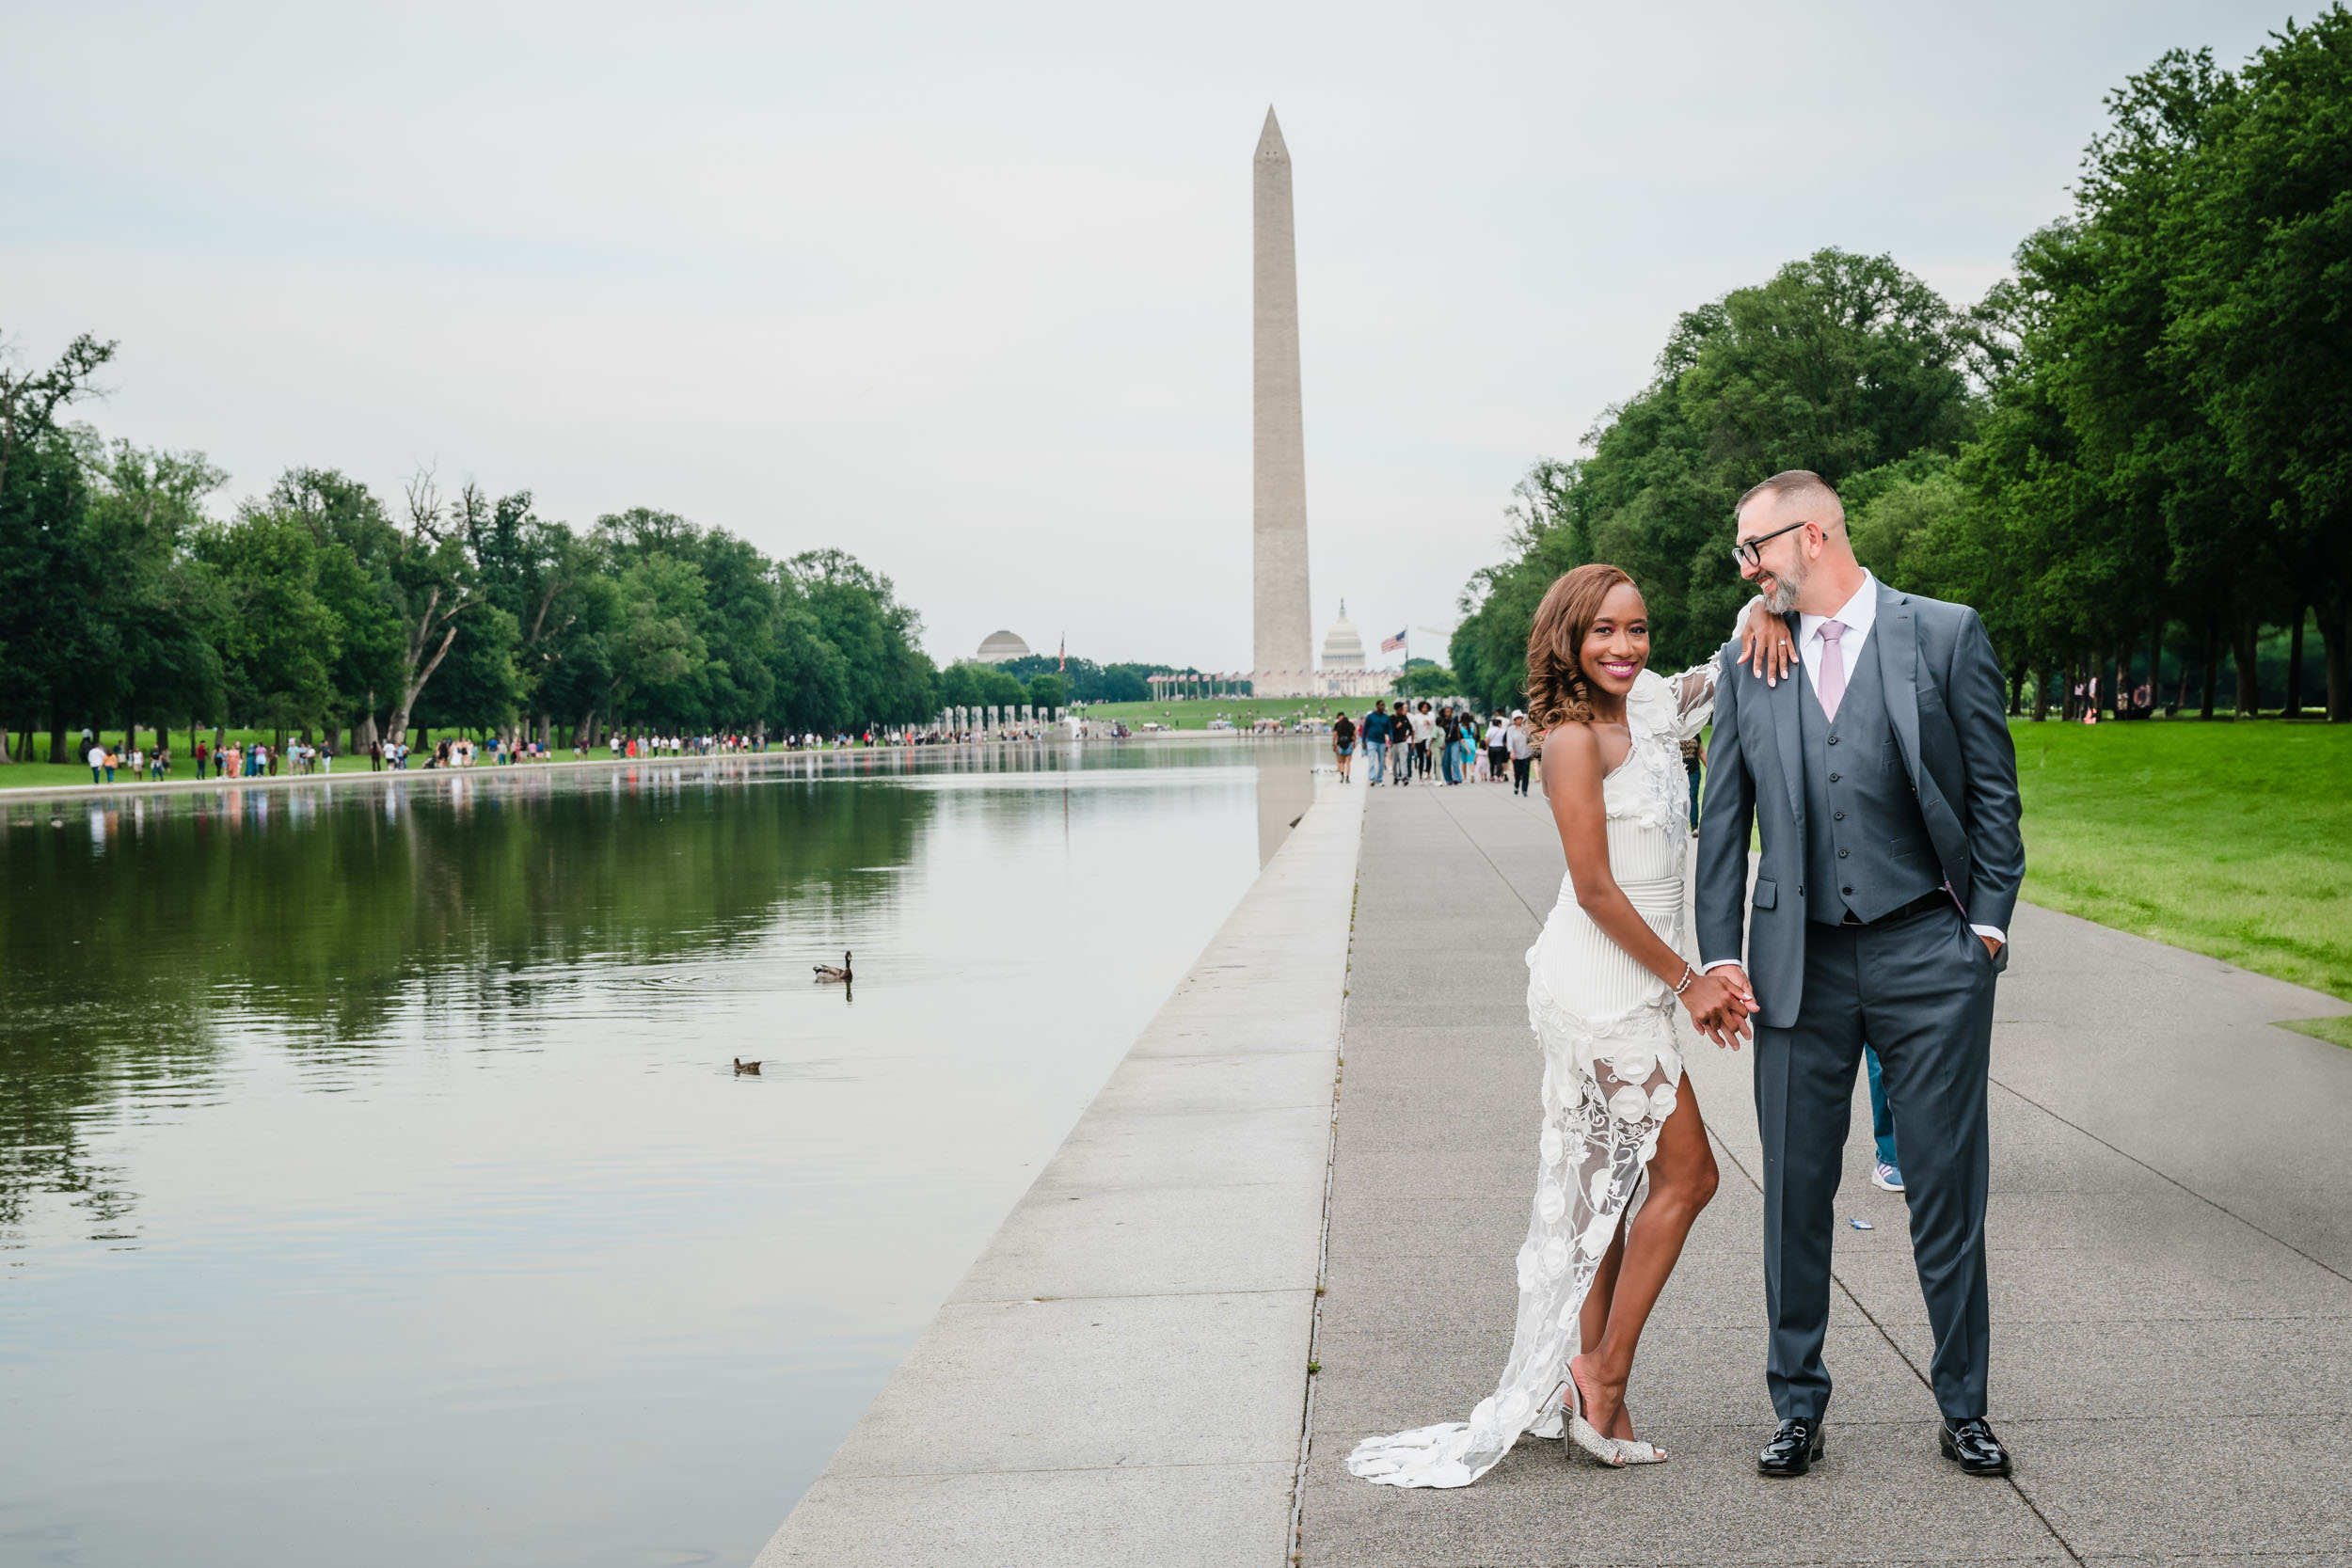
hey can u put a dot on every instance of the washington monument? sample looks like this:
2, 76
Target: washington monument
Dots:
1283, 655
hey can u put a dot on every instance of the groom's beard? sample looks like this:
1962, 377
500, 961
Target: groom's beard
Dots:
1781, 597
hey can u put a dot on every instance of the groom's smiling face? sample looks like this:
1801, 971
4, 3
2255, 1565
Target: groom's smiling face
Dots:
1774, 523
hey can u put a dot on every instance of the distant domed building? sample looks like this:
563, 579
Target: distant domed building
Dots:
1344, 674
999, 646
1342, 648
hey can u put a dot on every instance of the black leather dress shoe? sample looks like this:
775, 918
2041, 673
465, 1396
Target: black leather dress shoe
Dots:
1974, 1446
1792, 1449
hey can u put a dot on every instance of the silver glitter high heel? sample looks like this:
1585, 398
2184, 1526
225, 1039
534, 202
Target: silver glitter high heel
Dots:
1603, 1451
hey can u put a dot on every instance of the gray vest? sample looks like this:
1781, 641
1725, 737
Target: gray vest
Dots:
1866, 845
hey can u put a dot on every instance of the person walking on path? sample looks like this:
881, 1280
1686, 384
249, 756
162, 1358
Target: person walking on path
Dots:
1886, 1174
1374, 730
1521, 747
1694, 759
1604, 981
203, 756
1499, 747
97, 760
1883, 786
1400, 746
1344, 743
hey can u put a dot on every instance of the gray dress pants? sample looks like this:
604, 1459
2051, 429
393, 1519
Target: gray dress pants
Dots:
1920, 990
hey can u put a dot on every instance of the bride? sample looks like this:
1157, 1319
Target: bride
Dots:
1624, 1163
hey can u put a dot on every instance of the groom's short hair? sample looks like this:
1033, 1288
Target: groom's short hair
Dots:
1799, 484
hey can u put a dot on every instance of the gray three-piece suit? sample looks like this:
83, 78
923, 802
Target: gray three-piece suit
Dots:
1913, 789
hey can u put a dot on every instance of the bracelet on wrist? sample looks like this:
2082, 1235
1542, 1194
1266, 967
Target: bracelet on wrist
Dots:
1688, 975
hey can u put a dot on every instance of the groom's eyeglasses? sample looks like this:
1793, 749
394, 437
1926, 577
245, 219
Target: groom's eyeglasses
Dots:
1748, 552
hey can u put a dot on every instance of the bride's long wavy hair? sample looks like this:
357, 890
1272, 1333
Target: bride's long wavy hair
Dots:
1558, 689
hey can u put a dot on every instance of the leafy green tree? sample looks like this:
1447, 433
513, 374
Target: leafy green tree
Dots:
55, 648
2261, 290
357, 544
433, 586
1047, 692
1838, 363
858, 611
659, 658
2151, 517
145, 510
278, 639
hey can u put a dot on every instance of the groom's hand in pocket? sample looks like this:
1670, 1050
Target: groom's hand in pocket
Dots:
1721, 1001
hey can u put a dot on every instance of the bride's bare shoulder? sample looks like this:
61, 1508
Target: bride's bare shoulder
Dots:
1572, 749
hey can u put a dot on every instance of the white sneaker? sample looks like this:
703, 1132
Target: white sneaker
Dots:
1886, 1178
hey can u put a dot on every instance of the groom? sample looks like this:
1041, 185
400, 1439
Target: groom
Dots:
1885, 785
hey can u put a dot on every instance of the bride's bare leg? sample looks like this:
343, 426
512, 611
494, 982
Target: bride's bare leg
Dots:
1594, 1324
1682, 1180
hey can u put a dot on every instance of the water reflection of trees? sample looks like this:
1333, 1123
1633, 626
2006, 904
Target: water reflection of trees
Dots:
137, 933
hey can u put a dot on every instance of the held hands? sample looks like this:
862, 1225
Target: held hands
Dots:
1765, 642
1721, 1002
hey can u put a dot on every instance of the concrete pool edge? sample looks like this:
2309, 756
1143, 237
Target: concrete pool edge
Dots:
1122, 1372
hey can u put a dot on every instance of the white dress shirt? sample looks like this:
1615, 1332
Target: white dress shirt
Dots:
1858, 615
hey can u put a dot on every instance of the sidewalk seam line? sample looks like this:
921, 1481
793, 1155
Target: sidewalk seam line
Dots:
2031, 1507
1323, 1235
2172, 1180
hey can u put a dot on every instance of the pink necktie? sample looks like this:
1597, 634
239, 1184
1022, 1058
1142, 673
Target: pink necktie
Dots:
1833, 681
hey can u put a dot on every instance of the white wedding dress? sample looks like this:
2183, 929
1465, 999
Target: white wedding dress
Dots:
1605, 1025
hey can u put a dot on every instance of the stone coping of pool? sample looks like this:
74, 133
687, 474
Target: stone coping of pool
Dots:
1122, 1374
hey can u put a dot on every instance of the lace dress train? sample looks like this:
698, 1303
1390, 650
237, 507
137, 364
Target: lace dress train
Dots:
1611, 1072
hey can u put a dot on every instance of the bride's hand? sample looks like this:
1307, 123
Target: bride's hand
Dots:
1766, 643
1720, 1003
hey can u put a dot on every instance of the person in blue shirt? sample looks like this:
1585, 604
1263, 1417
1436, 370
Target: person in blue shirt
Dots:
1375, 733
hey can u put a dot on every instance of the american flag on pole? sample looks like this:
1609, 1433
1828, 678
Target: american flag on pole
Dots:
1062, 660
1390, 645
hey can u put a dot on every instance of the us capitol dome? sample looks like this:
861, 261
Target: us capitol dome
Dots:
1343, 649
999, 646
1344, 674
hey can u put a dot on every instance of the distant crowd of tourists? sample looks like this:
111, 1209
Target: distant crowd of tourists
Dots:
1399, 742
234, 759
1442, 741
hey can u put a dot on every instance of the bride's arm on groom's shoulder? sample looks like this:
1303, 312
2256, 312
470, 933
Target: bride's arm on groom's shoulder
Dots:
1766, 643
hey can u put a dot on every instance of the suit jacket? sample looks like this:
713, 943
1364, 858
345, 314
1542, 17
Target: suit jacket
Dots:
1947, 704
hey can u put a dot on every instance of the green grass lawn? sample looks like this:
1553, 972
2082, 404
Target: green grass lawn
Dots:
2231, 839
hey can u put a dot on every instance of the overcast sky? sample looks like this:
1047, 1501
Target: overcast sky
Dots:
965, 289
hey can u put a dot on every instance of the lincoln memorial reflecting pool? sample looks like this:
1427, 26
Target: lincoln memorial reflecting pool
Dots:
375, 1186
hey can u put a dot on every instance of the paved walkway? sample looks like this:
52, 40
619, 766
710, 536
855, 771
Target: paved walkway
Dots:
2172, 1257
